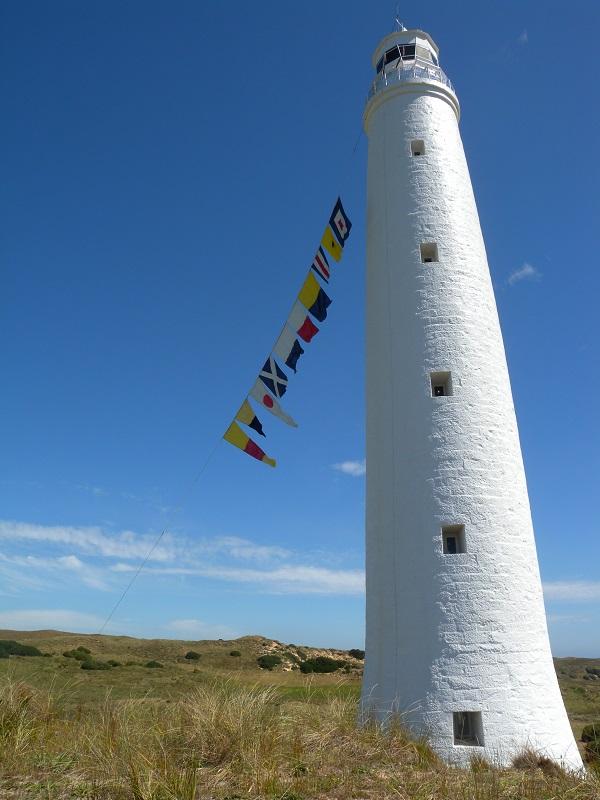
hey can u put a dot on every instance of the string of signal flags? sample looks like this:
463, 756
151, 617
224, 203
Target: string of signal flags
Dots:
272, 382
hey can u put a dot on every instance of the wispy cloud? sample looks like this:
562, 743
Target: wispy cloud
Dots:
93, 540
526, 273
245, 549
89, 555
285, 579
523, 38
61, 619
574, 591
566, 619
88, 575
354, 468
197, 629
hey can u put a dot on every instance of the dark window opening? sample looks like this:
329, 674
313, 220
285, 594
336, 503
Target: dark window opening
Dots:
404, 52
429, 252
453, 539
468, 729
417, 147
441, 384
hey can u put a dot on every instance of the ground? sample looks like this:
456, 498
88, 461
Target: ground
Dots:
220, 727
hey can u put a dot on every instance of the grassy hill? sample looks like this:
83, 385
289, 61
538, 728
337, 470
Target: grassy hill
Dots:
218, 726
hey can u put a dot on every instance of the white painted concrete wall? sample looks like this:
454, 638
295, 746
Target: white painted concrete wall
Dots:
462, 632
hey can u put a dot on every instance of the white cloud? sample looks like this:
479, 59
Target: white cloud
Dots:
566, 619
526, 273
575, 591
354, 468
83, 553
50, 619
286, 579
523, 37
92, 540
88, 575
197, 629
244, 549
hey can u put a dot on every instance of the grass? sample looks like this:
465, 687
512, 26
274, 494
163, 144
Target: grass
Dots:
212, 730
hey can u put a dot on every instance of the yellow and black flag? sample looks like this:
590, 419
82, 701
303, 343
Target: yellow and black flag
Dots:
248, 417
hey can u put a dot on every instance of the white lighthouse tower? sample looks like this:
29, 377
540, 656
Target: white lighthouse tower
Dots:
457, 642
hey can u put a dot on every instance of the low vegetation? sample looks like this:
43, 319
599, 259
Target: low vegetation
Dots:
228, 741
223, 728
8, 647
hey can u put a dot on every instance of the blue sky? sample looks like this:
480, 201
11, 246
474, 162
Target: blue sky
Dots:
167, 172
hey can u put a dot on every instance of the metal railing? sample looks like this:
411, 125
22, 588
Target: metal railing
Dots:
417, 70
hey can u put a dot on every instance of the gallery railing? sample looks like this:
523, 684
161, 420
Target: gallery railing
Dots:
417, 70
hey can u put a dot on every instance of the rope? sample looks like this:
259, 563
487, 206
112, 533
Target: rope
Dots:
156, 542
187, 492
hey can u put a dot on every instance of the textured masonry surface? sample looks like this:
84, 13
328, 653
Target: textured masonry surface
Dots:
463, 632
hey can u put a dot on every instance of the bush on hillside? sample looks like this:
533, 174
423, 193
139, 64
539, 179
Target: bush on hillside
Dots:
591, 732
90, 663
268, 661
590, 735
113, 663
83, 650
78, 655
356, 653
153, 664
192, 655
321, 664
8, 647
235, 653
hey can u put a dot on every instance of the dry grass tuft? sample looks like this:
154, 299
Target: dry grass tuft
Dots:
227, 740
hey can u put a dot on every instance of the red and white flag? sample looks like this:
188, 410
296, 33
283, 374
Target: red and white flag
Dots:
320, 265
266, 399
300, 322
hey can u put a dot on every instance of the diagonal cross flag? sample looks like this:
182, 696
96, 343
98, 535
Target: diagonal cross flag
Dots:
273, 377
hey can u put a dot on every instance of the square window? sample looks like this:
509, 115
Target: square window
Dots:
441, 384
417, 147
453, 539
429, 252
468, 728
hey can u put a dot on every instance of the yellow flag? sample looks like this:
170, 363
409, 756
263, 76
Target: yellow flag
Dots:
331, 244
236, 436
246, 413
309, 291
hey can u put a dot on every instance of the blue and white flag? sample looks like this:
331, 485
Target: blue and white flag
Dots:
340, 224
273, 377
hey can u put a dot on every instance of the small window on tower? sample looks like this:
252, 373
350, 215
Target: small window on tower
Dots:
453, 539
417, 148
468, 728
429, 252
441, 384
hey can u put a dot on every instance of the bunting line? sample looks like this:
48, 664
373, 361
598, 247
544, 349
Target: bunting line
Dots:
311, 301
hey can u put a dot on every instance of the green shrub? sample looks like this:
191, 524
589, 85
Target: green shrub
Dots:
356, 653
113, 663
321, 664
235, 653
153, 664
268, 661
83, 650
78, 655
12, 648
90, 663
192, 655
593, 671
590, 735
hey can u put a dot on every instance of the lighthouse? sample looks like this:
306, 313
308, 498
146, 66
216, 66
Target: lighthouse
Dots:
457, 644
